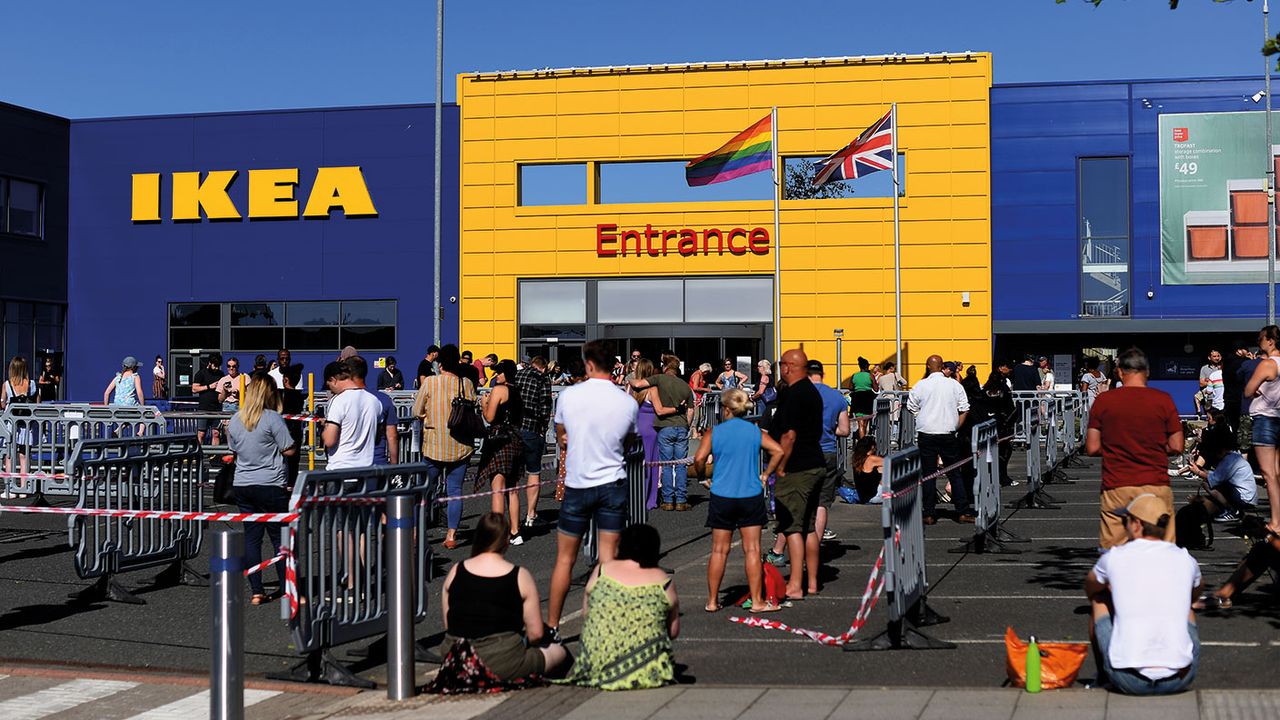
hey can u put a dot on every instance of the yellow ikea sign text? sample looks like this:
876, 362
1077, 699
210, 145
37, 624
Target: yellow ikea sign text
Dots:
272, 194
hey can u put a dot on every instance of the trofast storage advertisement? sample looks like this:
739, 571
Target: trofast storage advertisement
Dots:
1213, 197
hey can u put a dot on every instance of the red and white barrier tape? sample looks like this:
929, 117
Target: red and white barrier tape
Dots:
157, 514
303, 417
290, 580
34, 475
265, 564
875, 586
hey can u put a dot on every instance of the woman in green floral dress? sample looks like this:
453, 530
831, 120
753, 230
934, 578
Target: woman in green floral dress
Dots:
632, 614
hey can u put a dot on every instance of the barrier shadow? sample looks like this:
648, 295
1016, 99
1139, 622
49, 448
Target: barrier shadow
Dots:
1064, 569
32, 615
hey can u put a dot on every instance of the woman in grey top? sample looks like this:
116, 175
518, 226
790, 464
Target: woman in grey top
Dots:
260, 440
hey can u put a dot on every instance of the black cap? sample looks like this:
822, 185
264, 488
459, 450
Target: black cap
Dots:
814, 367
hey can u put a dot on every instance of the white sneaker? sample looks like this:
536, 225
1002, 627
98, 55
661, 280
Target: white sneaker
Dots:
517, 539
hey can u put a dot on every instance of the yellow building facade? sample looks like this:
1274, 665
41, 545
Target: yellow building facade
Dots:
518, 260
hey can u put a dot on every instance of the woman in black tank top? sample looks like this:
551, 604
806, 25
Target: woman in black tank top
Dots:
866, 466
493, 618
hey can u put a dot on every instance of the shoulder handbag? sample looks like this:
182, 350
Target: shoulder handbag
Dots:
223, 491
465, 423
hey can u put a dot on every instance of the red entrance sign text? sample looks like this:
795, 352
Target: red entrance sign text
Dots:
685, 241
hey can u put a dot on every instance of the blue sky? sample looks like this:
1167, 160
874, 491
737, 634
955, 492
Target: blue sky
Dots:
88, 58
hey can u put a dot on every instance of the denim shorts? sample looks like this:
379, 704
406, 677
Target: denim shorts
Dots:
1132, 682
534, 446
1266, 431
606, 503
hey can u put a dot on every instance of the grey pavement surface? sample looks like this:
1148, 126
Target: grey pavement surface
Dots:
1037, 591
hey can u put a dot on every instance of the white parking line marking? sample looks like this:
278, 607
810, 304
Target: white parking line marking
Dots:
198, 704
60, 698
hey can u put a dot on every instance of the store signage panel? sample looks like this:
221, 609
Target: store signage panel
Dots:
1213, 198
272, 194
686, 242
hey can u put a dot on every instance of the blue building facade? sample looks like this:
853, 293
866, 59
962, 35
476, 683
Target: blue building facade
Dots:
1076, 229
266, 277
33, 236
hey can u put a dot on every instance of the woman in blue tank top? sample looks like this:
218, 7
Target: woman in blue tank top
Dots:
737, 494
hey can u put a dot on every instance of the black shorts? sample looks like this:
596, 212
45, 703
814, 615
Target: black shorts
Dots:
863, 402
733, 513
534, 446
827, 495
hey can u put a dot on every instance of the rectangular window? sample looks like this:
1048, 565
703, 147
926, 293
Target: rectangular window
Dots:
664, 181
326, 325
1104, 197
374, 312
23, 206
311, 313
728, 300
553, 302
257, 314
879, 184
552, 184
641, 301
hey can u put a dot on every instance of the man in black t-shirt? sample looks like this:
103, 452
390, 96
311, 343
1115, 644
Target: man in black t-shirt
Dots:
426, 368
204, 385
797, 426
1026, 377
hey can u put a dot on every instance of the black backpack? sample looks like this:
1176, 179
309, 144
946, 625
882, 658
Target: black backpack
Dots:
1194, 527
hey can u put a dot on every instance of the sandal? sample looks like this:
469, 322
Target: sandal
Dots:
711, 608
768, 607
1211, 601
450, 544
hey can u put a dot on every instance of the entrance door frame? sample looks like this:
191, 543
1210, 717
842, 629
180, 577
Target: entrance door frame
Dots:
749, 331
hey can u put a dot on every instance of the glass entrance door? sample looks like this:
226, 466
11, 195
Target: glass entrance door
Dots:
694, 344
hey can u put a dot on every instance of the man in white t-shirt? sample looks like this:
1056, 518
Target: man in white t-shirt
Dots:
593, 421
1144, 632
351, 421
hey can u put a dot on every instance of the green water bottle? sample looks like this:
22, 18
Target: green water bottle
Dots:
1033, 665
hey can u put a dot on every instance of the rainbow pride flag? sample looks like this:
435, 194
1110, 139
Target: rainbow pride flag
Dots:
750, 151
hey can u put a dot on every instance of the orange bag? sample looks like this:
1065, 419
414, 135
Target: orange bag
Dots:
1059, 662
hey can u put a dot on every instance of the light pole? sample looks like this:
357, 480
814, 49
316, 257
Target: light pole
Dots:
1271, 180
839, 335
438, 311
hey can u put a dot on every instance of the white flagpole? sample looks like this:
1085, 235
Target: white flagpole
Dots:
897, 249
777, 261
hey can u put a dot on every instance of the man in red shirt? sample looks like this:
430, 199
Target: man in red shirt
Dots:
1135, 429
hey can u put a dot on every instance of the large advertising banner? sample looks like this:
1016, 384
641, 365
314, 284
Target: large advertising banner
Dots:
1213, 198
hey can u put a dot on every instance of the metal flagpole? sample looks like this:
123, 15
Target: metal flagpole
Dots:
777, 260
435, 249
1271, 181
897, 248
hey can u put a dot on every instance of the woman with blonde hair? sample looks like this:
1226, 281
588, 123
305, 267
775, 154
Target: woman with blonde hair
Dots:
260, 440
737, 494
766, 393
18, 389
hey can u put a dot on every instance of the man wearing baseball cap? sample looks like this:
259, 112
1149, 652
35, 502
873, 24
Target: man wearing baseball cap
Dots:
1144, 633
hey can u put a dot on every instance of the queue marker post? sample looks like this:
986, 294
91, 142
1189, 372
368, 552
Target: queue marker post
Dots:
311, 424
226, 598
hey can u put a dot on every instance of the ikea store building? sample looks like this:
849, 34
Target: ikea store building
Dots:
566, 217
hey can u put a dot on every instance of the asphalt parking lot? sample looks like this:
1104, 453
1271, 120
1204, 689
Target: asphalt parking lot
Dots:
1037, 591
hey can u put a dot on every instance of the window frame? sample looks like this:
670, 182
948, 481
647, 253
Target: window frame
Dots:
6, 207
226, 330
1079, 231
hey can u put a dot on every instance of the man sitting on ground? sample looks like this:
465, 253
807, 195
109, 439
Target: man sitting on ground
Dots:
1263, 556
1144, 633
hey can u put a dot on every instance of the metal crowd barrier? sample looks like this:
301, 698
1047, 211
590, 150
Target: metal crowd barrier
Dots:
195, 422
46, 434
163, 472
340, 560
637, 499
988, 536
906, 429
1034, 430
905, 579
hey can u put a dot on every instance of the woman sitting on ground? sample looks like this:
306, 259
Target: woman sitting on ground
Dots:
632, 615
867, 467
493, 607
737, 494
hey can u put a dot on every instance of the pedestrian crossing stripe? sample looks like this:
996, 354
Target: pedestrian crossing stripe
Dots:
60, 698
197, 705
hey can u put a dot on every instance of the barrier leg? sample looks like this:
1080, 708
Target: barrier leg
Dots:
179, 573
106, 589
902, 634
400, 645
226, 681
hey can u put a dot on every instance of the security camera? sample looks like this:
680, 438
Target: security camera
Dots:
453, 298
1151, 294
1257, 97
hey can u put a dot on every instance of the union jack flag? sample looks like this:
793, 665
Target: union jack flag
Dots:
871, 151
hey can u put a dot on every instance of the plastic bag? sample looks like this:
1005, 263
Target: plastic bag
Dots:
1059, 662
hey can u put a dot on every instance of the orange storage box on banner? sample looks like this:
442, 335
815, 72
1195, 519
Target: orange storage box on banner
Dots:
1059, 662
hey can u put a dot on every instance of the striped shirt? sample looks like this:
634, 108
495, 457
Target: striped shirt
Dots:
433, 405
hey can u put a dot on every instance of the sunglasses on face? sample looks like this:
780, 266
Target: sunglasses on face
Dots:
232, 367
